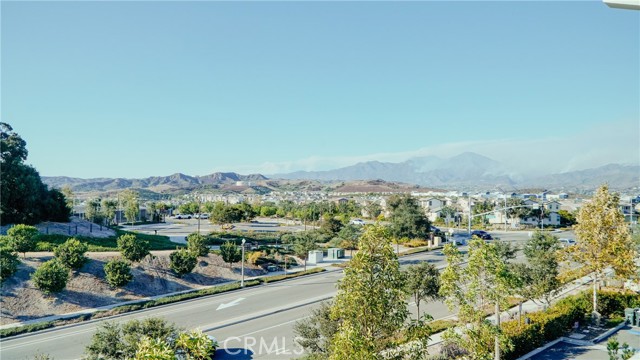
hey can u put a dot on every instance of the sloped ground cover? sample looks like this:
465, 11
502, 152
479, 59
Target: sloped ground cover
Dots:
87, 288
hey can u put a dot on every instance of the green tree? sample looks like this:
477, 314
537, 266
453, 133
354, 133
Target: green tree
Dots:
154, 349
183, 261
109, 207
131, 205
54, 207
471, 289
71, 253
349, 236
191, 207
407, 218
69, 197
22, 238
8, 263
370, 299
516, 209
314, 333
113, 341
117, 273
107, 343
447, 213
25, 199
567, 218
331, 226
226, 214
603, 240
230, 253
195, 345
542, 258
617, 352
92, 211
422, 283
132, 248
51, 277
373, 209
197, 244
303, 242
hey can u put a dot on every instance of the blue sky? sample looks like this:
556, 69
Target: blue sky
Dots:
135, 89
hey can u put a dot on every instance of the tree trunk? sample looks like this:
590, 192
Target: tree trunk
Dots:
418, 306
520, 313
497, 341
595, 313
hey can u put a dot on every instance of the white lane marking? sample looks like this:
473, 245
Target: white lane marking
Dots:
229, 304
274, 326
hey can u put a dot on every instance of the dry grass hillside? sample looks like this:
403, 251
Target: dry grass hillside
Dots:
21, 301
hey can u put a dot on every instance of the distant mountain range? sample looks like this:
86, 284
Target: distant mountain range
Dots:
465, 171
177, 180
471, 170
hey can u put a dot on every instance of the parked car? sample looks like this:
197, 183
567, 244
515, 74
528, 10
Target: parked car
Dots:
566, 242
183, 216
481, 234
357, 222
202, 216
436, 231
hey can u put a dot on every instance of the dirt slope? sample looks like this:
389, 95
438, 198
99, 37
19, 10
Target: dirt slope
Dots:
21, 301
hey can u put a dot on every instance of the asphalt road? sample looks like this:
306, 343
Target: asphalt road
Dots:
253, 323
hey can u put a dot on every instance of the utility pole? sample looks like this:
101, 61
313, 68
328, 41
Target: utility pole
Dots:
505, 212
469, 203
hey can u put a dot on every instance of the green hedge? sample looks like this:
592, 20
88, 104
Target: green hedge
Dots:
275, 278
218, 238
49, 242
559, 319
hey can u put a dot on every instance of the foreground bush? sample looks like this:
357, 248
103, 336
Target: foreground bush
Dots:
183, 261
71, 253
132, 248
195, 345
51, 277
118, 273
22, 238
197, 244
115, 341
8, 263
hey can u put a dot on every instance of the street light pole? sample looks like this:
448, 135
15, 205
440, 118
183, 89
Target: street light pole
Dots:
469, 203
242, 281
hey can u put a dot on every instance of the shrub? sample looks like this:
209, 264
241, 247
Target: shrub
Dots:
132, 248
254, 256
183, 261
71, 253
415, 243
118, 273
51, 277
153, 348
197, 244
22, 238
116, 341
8, 263
195, 345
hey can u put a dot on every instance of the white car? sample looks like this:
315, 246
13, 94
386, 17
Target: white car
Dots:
202, 216
566, 242
356, 222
